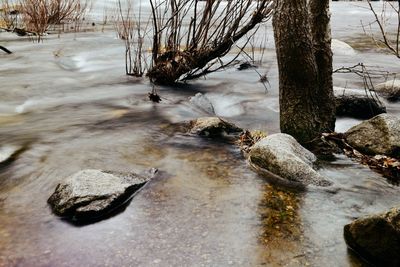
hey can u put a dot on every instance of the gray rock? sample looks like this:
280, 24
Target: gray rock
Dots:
212, 126
340, 48
202, 102
379, 135
355, 103
389, 89
376, 237
89, 194
283, 156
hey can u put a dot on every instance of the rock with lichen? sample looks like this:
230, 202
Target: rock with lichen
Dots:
288, 161
90, 194
376, 238
379, 135
212, 127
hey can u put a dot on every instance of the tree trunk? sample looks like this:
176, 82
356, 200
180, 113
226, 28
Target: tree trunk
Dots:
305, 92
321, 31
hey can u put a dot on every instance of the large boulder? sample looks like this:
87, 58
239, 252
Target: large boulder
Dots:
379, 135
90, 194
212, 127
376, 238
356, 103
284, 157
389, 89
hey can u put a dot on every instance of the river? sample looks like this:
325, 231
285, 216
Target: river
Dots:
68, 104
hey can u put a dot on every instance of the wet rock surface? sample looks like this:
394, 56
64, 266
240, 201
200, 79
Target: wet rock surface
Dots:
284, 157
389, 90
379, 135
213, 127
356, 103
376, 238
90, 194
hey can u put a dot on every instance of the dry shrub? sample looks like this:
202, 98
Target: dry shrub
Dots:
190, 38
36, 16
8, 15
130, 29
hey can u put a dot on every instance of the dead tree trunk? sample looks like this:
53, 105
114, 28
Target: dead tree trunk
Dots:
305, 68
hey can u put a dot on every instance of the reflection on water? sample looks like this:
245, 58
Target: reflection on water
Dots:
70, 107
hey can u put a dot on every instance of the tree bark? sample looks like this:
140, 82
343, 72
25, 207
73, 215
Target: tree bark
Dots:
306, 106
321, 32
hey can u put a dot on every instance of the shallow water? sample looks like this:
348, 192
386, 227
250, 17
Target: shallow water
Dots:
69, 104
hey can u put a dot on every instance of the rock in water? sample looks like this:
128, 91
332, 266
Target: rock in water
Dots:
376, 238
282, 155
340, 48
212, 126
202, 102
379, 135
389, 90
90, 194
355, 103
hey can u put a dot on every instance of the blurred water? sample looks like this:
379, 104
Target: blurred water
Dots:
69, 104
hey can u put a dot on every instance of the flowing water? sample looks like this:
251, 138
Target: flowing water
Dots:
67, 103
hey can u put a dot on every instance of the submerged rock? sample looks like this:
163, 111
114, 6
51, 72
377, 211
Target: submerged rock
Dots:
376, 238
90, 194
355, 103
202, 102
283, 156
389, 89
212, 126
379, 135
340, 48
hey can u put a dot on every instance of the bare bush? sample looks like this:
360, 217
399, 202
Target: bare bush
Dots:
35, 16
130, 30
387, 38
190, 38
8, 15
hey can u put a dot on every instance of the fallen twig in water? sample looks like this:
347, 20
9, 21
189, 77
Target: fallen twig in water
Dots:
5, 50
